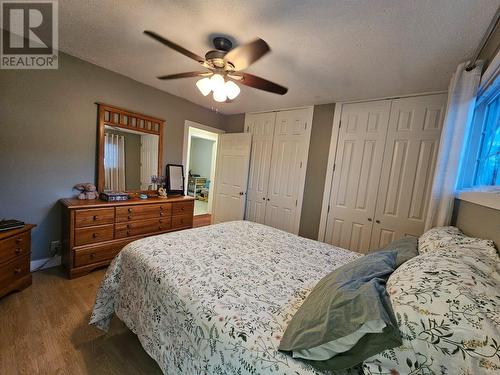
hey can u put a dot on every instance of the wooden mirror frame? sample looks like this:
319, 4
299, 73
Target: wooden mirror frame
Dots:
122, 118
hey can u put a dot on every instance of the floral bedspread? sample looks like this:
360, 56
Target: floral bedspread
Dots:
215, 300
447, 303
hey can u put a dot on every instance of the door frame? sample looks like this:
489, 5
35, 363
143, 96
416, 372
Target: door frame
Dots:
188, 124
303, 172
333, 153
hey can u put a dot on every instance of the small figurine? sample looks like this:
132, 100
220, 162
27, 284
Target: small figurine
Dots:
162, 192
87, 191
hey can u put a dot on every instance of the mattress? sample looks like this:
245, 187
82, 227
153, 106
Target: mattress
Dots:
217, 299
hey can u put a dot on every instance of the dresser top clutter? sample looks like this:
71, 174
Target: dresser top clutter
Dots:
97, 203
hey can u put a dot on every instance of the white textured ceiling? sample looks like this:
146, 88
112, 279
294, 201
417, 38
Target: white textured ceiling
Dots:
323, 50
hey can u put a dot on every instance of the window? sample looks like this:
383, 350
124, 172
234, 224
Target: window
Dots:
488, 162
481, 162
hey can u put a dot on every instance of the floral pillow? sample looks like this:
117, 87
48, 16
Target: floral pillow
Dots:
450, 237
447, 304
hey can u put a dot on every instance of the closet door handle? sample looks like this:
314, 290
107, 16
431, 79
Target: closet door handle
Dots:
369, 219
263, 198
377, 221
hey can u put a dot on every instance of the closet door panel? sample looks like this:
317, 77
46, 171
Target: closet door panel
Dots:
287, 168
408, 168
261, 125
357, 172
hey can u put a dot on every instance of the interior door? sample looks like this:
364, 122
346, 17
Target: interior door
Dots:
233, 159
261, 126
410, 155
287, 173
355, 182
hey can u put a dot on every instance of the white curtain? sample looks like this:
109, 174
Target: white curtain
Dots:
114, 162
149, 159
460, 110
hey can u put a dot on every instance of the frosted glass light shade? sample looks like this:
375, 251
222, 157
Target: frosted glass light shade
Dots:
204, 85
217, 83
232, 90
220, 94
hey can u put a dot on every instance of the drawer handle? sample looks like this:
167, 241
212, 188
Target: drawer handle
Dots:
95, 217
92, 256
129, 217
161, 208
17, 270
161, 213
129, 210
95, 235
128, 226
182, 208
19, 240
128, 233
159, 227
18, 251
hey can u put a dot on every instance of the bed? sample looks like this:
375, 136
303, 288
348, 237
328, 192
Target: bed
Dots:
216, 300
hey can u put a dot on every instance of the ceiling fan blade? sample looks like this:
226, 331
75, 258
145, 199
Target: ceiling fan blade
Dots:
185, 75
174, 46
262, 84
243, 56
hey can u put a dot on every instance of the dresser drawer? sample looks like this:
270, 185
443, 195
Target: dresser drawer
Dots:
136, 228
15, 246
84, 236
141, 212
182, 221
183, 208
96, 254
14, 270
96, 216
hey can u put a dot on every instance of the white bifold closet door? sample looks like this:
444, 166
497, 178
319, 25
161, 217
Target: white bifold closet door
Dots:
261, 126
360, 149
384, 164
280, 148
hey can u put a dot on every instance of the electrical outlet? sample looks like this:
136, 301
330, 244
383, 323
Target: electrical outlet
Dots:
55, 248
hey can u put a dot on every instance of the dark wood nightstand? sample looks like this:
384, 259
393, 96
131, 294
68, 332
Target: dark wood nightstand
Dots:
15, 250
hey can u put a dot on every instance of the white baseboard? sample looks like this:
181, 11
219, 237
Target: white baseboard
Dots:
51, 262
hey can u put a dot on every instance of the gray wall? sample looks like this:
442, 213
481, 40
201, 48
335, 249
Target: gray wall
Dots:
48, 135
316, 165
316, 170
200, 158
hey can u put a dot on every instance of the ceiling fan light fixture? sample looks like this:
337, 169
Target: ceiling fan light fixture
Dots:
217, 83
204, 85
220, 94
232, 90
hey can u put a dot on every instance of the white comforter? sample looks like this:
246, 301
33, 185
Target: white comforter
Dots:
215, 300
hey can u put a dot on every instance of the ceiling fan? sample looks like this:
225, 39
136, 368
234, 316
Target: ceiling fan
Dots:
224, 66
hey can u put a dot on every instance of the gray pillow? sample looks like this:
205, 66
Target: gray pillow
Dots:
329, 330
406, 247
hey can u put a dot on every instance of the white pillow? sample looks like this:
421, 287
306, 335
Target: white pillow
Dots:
441, 238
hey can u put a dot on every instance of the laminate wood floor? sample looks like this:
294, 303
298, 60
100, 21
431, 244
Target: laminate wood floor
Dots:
44, 330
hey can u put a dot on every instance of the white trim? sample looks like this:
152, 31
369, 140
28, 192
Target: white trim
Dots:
490, 74
329, 171
51, 262
394, 97
486, 196
205, 132
281, 109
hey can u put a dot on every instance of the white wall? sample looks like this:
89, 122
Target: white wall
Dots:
200, 158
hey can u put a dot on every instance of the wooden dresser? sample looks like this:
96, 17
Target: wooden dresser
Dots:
94, 231
15, 250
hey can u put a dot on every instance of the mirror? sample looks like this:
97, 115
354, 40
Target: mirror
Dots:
130, 159
130, 150
175, 179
